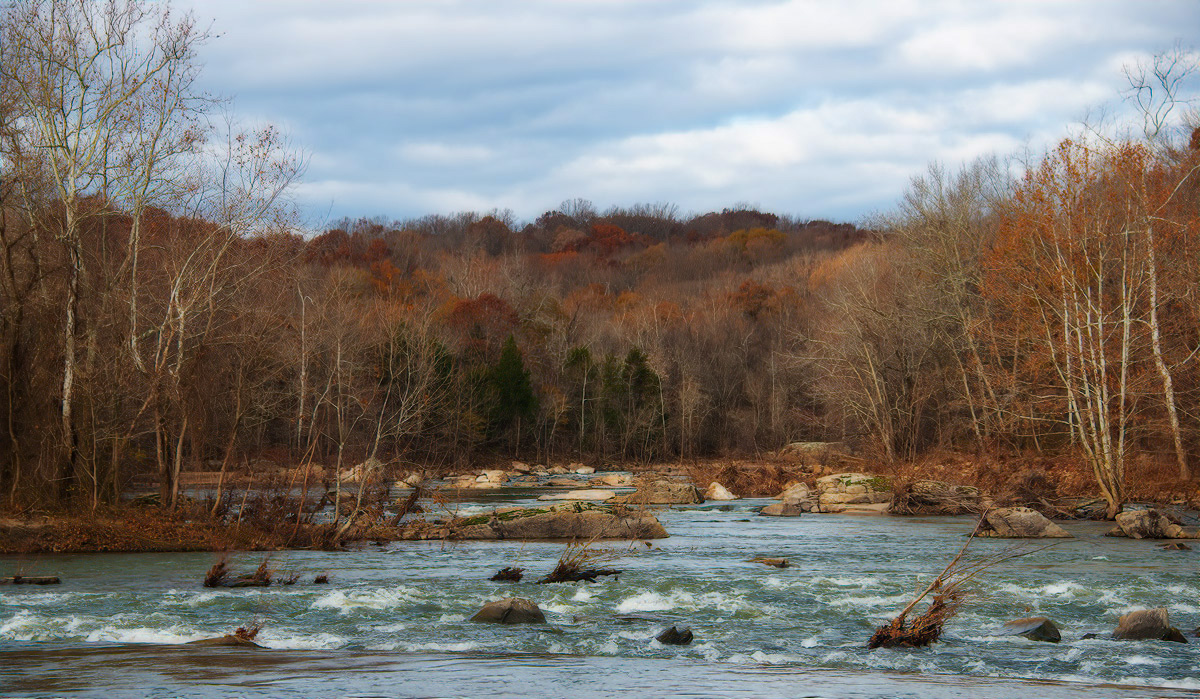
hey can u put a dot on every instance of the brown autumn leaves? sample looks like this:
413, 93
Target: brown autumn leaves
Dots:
159, 313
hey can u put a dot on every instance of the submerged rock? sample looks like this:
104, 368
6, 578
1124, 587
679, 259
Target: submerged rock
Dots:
664, 493
1147, 625
586, 494
227, 641
675, 636
718, 492
781, 509
511, 610
1019, 523
1036, 628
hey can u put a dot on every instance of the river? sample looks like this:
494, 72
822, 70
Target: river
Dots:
393, 621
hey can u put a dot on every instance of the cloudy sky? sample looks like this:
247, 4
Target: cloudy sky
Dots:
815, 108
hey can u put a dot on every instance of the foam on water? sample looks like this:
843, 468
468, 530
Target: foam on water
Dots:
173, 635
320, 641
347, 602
680, 599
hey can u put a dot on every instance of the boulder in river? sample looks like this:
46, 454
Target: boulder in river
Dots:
511, 610
675, 636
1019, 523
580, 522
1035, 628
718, 492
1148, 524
781, 509
664, 492
800, 495
1147, 625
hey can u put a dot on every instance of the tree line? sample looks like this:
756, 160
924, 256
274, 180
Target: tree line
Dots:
161, 311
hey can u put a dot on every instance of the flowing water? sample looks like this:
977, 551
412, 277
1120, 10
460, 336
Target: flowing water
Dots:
394, 619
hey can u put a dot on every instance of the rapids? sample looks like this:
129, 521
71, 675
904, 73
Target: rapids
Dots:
393, 620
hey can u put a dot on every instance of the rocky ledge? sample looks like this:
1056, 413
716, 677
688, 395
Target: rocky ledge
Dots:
576, 522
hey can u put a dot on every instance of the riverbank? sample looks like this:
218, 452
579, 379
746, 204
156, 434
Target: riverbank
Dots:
259, 513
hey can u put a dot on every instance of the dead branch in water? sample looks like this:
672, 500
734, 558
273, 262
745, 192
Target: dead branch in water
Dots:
508, 574
948, 595
572, 564
217, 575
248, 632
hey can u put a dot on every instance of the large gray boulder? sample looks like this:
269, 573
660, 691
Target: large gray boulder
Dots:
573, 523
1148, 524
1035, 628
663, 493
1019, 523
1147, 625
511, 610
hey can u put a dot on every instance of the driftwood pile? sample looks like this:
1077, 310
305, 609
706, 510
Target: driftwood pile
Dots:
935, 498
263, 576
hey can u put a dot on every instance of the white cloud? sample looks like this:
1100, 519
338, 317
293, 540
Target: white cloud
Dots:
815, 107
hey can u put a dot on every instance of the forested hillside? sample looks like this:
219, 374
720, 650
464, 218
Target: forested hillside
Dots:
162, 310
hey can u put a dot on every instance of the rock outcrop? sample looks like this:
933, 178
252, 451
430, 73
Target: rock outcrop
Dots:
1019, 523
511, 610
800, 495
1149, 524
663, 493
836, 493
1147, 625
574, 522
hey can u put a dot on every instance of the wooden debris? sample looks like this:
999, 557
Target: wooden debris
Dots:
571, 565
31, 580
508, 574
218, 576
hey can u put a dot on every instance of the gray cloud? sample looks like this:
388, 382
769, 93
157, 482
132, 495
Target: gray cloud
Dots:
814, 108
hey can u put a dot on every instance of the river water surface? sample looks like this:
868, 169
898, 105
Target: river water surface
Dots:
393, 620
